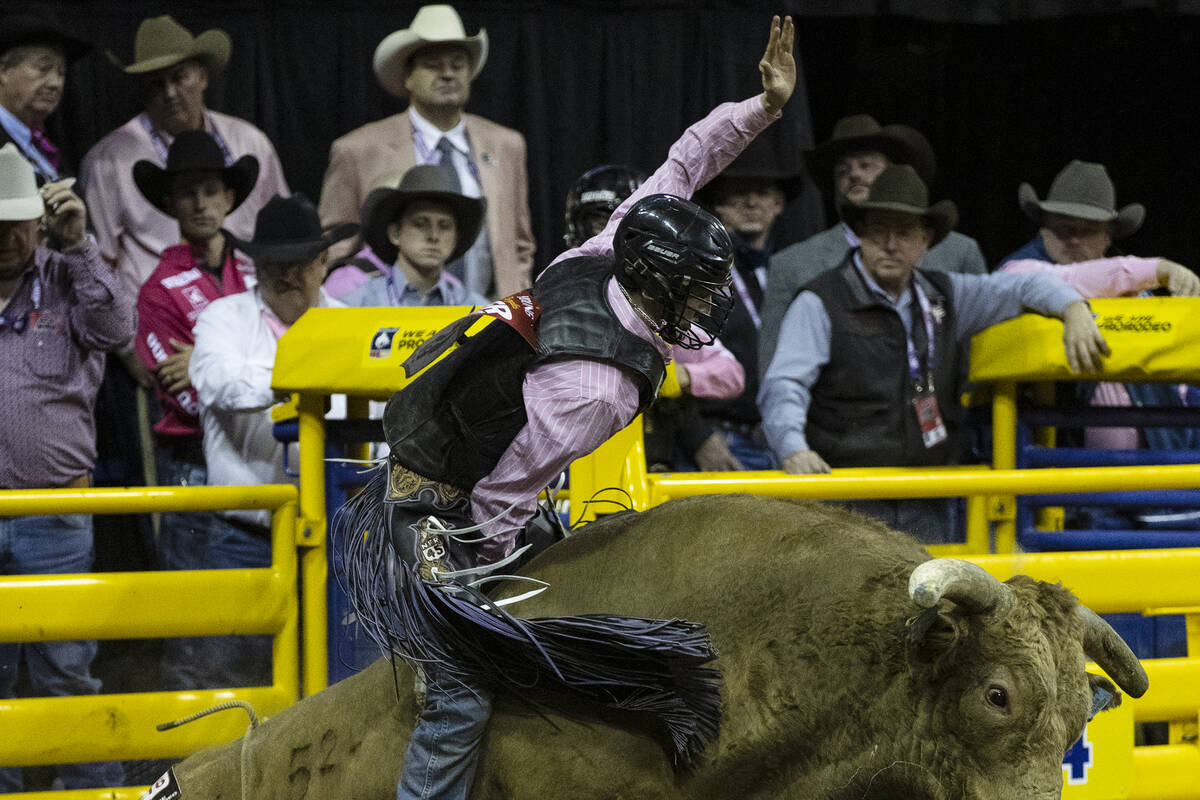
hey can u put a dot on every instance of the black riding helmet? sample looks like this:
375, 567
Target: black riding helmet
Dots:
679, 256
596, 193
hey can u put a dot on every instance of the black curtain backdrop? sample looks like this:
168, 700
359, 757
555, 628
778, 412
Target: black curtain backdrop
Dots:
1006, 91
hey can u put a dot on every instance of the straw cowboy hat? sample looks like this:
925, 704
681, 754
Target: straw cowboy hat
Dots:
900, 143
1085, 191
288, 230
899, 188
20, 200
425, 182
194, 151
437, 24
21, 29
162, 42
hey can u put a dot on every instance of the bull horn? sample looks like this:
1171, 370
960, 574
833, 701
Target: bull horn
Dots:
1105, 646
966, 584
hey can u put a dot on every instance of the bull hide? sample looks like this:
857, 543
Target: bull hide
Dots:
836, 685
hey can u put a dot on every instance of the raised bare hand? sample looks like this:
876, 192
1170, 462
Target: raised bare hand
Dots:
778, 65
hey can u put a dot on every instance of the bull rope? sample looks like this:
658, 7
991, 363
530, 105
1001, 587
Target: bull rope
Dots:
244, 752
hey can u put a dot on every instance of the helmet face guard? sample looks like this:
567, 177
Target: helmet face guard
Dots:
691, 312
678, 257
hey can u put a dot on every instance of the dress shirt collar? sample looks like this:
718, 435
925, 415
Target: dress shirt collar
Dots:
22, 136
905, 296
430, 133
446, 292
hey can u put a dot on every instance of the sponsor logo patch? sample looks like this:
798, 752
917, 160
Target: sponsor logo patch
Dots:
165, 788
381, 342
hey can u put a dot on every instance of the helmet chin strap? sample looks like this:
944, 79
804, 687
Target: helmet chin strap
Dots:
655, 325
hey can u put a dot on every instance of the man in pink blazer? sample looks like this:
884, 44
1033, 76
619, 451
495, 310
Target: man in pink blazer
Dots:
432, 62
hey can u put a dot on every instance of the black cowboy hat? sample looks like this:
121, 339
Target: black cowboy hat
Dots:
425, 182
288, 229
900, 143
756, 163
23, 29
194, 151
900, 188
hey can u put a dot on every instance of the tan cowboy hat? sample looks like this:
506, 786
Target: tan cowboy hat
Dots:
423, 182
900, 188
900, 143
1083, 190
20, 200
437, 24
162, 42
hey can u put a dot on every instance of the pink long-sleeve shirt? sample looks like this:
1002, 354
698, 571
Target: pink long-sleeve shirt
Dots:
1103, 277
574, 405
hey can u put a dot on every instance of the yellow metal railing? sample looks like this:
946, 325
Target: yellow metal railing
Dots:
119, 605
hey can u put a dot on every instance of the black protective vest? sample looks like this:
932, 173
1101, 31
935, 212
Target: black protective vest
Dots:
454, 422
862, 414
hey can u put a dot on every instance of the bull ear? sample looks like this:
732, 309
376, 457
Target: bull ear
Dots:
933, 632
1105, 694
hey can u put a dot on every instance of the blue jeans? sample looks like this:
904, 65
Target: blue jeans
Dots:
43, 546
444, 750
207, 540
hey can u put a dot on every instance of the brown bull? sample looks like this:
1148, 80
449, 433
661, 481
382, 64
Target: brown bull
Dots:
840, 680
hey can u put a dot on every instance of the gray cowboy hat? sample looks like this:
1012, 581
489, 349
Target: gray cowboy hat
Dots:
424, 182
162, 42
853, 134
434, 24
194, 151
900, 188
288, 230
1083, 190
27, 29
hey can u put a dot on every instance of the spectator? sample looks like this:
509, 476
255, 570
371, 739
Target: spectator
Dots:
432, 62
174, 68
875, 350
417, 228
1078, 222
231, 366
59, 313
199, 190
726, 434
594, 197
34, 54
514, 394
859, 150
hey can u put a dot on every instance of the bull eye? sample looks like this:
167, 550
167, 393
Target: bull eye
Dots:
997, 697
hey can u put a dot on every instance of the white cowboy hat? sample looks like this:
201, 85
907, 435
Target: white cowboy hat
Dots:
437, 24
20, 200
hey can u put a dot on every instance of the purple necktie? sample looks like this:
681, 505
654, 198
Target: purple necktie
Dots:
45, 146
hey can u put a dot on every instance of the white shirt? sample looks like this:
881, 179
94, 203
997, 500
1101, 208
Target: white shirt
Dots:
231, 369
430, 135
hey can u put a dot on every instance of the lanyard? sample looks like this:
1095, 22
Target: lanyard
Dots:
914, 363
744, 293
161, 145
427, 156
